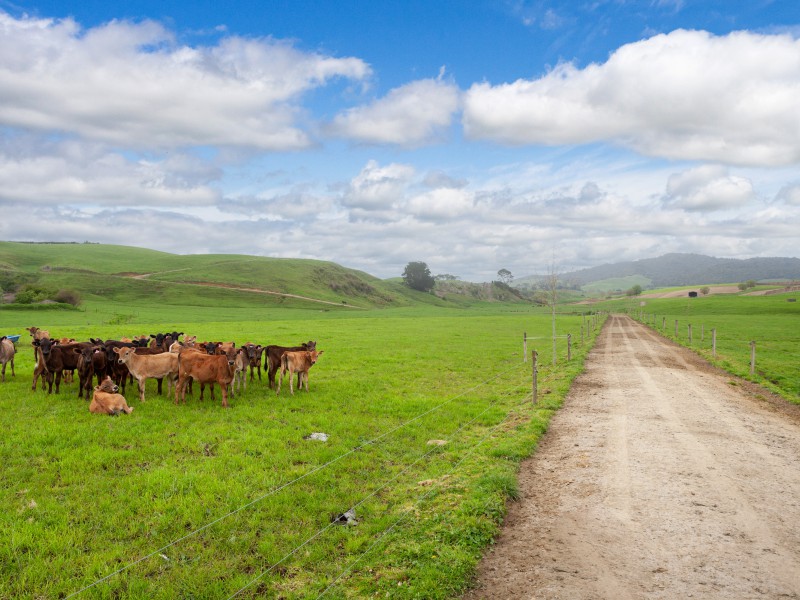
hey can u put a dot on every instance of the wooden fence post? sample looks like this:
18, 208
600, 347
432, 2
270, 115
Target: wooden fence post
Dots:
703, 332
569, 346
690, 333
524, 346
535, 383
752, 358
663, 323
676, 328
714, 342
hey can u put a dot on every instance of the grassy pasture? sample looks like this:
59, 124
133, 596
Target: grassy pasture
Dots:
771, 321
194, 501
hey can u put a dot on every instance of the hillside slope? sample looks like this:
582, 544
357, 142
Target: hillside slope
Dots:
127, 274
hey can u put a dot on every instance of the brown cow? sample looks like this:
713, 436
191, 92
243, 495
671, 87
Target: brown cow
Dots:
7, 351
300, 363
57, 359
106, 400
254, 352
206, 368
274, 354
153, 366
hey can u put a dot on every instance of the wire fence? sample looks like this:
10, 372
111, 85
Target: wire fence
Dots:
382, 485
160, 550
765, 357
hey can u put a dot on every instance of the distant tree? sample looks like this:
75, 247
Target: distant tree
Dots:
446, 277
634, 291
743, 286
705, 290
505, 276
750, 283
418, 276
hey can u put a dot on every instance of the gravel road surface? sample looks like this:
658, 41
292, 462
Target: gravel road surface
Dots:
661, 477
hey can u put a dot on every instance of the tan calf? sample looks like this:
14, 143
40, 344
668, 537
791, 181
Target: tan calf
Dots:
153, 366
300, 363
106, 400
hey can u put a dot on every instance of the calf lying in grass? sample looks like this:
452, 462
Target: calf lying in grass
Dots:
106, 400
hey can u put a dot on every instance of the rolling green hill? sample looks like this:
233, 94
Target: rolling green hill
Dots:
127, 275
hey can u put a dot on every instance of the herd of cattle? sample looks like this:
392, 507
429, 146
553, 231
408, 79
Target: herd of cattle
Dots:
158, 356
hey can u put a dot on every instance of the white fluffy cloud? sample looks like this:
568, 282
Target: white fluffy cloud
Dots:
131, 84
377, 187
410, 115
443, 204
708, 187
686, 95
71, 172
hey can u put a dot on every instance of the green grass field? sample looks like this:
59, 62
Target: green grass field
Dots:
195, 501
426, 402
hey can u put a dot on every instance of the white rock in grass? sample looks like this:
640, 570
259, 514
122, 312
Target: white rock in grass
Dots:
437, 442
320, 437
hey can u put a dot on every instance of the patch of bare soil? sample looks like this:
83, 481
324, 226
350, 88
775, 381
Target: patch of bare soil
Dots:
713, 289
660, 477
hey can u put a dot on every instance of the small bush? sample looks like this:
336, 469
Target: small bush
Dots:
72, 297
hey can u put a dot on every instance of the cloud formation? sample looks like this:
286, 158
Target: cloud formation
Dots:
131, 84
685, 95
243, 146
410, 115
708, 187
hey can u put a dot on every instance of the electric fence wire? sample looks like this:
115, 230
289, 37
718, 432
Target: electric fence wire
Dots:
366, 498
280, 488
408, 511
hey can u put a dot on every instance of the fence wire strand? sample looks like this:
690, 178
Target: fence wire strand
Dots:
369, 496
419, 501
280, 488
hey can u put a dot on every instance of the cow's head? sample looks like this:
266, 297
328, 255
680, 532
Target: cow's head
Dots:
310, 345
86, 353
45, 345
159, 338
107, 386
313, 355
231, 354
124, 354
253, 351
211, 347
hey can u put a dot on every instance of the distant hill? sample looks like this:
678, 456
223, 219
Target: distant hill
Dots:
674, 269
690, 269
104, 272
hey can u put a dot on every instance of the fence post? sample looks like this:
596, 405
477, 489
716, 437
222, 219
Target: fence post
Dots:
714, 342
703, 332
535, 383
676, 328
752, 358
569, 346
690, 333
524, 346
663, 323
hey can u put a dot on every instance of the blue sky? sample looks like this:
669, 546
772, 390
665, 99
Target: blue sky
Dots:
474, 136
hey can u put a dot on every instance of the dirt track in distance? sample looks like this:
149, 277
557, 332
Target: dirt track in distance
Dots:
659, 478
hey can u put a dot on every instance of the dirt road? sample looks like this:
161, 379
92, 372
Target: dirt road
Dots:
661, 477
